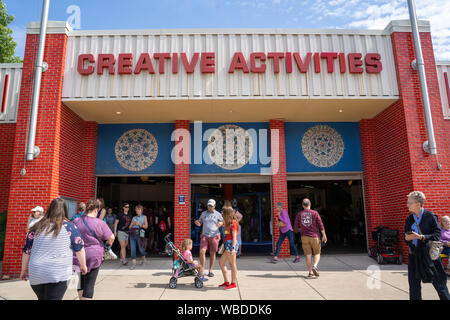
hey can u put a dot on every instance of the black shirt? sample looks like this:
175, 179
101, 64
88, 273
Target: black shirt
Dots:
124, 221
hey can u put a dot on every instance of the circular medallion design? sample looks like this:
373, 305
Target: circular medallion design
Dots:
322, 146
136, 150
230, 147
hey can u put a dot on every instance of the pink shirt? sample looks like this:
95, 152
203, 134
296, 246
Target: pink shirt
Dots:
187, 255
284, 217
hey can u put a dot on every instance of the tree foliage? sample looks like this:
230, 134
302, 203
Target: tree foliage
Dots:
7, 43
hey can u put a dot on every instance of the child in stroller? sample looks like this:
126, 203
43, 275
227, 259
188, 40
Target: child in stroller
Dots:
183, 266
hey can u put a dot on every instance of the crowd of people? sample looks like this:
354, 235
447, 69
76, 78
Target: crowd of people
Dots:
55, 246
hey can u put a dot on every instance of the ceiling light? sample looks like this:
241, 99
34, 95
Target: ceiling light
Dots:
340, 110
118, 112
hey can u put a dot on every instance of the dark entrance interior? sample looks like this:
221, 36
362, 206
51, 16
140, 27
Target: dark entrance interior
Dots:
153, 192
340, 205
253, 201
156, 194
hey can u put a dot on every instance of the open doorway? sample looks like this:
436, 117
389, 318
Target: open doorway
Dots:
155, 194
253, 201
340, 205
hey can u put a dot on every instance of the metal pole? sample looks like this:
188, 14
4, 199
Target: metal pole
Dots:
430, 145
32, 150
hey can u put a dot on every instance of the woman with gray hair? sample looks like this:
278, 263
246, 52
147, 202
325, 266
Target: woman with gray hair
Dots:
421, 227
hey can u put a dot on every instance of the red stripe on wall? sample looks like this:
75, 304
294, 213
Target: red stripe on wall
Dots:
447, 87
5, 91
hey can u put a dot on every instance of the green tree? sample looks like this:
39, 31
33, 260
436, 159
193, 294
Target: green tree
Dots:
7, 43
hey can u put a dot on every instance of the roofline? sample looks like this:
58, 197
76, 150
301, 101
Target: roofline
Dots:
64, 27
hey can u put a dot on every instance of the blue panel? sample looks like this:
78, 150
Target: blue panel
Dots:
296, 161
251, 167
108, 135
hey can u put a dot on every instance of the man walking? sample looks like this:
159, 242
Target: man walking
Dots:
285, 231
310, 223
210, 237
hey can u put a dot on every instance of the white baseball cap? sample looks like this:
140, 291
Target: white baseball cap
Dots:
38, 209
211, 202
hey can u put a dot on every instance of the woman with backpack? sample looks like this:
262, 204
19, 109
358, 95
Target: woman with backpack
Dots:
137, 235
93, 232
47, 254
162, 227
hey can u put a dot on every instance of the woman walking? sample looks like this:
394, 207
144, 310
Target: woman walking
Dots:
137, 235
47, 254
421, 227
93, 232
121, 230
231, 247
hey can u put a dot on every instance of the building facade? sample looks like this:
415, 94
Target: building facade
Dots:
265, 116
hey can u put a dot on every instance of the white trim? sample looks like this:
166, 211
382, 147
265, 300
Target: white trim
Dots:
320, 176
53, 27
265, 97
229, 178
217, 31
405, 26
134, 175
11, 65
443, 63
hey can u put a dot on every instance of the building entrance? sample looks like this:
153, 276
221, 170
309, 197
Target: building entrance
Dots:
340, 205
253, 202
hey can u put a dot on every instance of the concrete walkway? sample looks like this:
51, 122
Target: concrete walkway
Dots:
342, 277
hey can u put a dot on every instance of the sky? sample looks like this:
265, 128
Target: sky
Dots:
174, 14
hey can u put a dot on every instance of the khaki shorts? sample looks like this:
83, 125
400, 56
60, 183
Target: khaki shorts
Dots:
311, 245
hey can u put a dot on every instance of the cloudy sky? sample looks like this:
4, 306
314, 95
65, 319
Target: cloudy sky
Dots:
152, 14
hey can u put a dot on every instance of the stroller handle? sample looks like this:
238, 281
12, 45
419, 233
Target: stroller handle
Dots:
166, 238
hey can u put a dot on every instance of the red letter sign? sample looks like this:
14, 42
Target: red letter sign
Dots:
106, 60
355, 63
81, 59
238, 62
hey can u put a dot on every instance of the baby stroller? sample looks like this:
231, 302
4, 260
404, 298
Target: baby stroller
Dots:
385, 250
180, 267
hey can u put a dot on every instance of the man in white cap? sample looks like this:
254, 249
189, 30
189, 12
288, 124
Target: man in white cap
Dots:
210, 237
36, 214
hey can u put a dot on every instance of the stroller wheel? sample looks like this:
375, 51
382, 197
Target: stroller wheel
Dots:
173, 283
198, 283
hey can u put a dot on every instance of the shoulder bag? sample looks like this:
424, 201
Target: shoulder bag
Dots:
109, 254
435, 247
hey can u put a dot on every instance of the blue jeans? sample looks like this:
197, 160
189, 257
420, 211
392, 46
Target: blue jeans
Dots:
136, 242
290, 236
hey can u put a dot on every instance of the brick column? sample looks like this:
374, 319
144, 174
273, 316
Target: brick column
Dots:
182, 223
66, 142
89, 158
7, 132
393, 159
279, 181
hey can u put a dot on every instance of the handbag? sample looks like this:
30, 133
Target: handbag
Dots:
221, 248
109, 254
435, 247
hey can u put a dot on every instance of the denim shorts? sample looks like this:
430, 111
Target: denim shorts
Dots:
229, 245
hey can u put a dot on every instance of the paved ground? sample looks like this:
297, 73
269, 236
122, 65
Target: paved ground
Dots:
342, 277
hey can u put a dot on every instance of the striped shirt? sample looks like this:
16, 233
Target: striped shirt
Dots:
51, 258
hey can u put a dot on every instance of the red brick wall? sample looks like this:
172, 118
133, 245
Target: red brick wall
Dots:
182, 187
65, 166
393, 159
7, 132
279, 184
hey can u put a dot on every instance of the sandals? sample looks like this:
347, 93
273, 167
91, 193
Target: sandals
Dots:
311, 276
